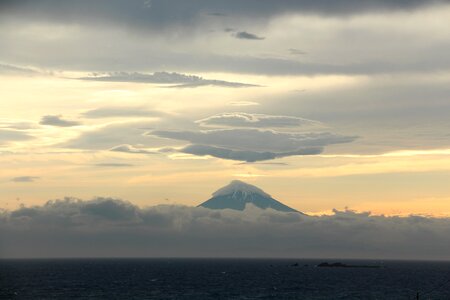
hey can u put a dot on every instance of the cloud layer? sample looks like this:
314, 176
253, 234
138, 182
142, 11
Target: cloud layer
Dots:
240, 119
174, 80
111, 227
252, 144
243, 155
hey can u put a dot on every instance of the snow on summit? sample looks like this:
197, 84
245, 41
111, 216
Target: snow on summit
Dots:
239, 186
238, 194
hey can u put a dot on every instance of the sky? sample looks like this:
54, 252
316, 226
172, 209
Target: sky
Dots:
322, 105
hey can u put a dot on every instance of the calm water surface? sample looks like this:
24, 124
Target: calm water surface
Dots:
220, 279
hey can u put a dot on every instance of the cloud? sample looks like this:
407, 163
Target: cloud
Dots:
114, 112
175, 80
113, 165
24, 179
107, 227
152, 46
294, 51
17, 124
131, 149
254, 139
16, 70
243, 103
247, 36
11, 135
216, 14
251, 145
58, 121
240, 119
247, 156
166, 13
111, 135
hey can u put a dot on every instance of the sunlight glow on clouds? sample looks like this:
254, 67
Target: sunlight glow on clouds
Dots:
296, 95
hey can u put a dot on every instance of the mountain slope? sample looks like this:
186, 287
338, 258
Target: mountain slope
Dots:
237, 194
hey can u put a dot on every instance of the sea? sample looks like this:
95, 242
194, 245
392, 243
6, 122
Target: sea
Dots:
171, 278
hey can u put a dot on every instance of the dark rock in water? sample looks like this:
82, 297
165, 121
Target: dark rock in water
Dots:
295, 265
342, 265
238, 194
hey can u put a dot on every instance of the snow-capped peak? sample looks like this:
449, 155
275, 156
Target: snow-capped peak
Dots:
237, 186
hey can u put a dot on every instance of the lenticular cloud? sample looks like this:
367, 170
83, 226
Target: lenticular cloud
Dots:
106, 227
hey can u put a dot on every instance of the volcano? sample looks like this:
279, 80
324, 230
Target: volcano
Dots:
238, 194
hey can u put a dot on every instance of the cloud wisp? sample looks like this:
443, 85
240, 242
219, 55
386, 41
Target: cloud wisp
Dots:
240, 119
58, 121
11, 135
25, 179
171, 80
120, 112
130, 149
244, 35
246, 156
113, 165
106, 227
8, 69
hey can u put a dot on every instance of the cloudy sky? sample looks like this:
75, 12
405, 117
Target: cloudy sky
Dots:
321, 104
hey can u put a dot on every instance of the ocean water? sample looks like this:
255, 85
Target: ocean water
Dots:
220, 279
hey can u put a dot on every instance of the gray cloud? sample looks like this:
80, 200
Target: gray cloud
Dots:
175, 80
16, 70
247, 36
372, 109
240, 119
251, 145
24, 179
105, 25
110, 227
113, 165
11, 135
254, 139
247, 156
54, 120
294, 51
17, 124
131, 149
166, 13
114, 112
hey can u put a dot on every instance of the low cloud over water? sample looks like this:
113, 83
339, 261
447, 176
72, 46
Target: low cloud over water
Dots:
106, 227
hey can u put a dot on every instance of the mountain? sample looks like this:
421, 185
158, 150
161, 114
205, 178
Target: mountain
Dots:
237, 194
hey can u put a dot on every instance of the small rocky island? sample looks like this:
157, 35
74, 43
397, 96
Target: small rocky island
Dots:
342, 265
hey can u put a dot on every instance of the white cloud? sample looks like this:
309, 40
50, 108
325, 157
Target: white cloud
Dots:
243, 103
240, 119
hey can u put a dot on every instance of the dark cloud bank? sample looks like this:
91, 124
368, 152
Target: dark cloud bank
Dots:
107, 227
180, 12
